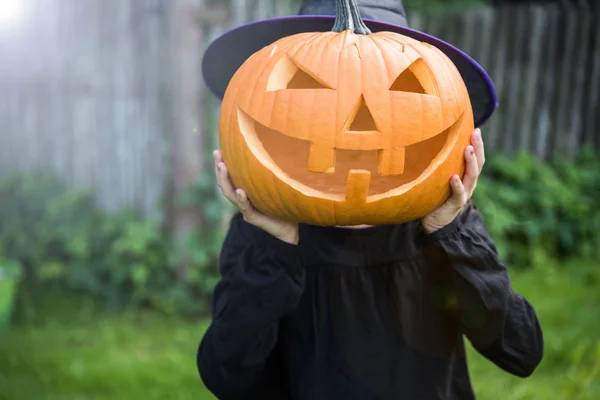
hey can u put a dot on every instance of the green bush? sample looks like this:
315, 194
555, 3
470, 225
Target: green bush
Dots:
123, 260
10, 276
537, 211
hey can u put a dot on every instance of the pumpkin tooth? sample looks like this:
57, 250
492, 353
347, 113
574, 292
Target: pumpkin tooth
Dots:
391, 161
321, 158
357, 188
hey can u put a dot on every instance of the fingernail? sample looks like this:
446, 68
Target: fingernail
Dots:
471, 151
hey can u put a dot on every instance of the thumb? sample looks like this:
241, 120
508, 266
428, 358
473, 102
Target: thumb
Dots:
245, 207
250, 214
459, 192
272, 226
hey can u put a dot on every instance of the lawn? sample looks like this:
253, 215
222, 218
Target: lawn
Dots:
70, 351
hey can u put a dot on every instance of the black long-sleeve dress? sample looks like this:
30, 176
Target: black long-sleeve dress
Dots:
363, 314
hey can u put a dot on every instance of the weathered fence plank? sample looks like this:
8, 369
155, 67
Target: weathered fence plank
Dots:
564, 94
519, 27
574, 125
532, 82
591, 107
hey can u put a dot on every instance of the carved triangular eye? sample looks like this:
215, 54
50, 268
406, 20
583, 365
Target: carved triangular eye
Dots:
302, 80
415, 79
407, 82
288, 75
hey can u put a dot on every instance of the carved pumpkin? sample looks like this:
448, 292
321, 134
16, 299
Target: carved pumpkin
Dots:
346, 127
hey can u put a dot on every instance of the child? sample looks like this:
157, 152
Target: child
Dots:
366, 312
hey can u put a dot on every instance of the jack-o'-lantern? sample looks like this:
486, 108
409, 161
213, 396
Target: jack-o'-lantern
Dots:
346, 127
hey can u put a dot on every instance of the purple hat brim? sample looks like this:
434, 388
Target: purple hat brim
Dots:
229, 51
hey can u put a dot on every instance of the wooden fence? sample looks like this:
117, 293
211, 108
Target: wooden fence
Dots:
93, 91
82, 89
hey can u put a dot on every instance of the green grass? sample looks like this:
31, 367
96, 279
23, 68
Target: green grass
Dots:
72, 352
69, 351
567, 301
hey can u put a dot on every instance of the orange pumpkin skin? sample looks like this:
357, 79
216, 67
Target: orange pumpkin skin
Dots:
346, 129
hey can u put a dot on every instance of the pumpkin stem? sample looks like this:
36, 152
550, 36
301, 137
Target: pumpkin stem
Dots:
348, 18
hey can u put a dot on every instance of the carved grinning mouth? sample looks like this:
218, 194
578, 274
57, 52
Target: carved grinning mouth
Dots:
355, 172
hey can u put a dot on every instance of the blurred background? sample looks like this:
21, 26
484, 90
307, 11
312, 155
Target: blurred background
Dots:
111, 224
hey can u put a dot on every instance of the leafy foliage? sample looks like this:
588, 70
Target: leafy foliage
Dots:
10, 276
537, 211
122, 259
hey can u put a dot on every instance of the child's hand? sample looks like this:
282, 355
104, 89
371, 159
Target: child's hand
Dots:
282, 230
461, 190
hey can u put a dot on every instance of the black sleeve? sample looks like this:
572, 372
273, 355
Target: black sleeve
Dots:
500, 324
262, 280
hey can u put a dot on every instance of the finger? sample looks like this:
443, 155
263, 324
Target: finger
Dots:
216, 160
477, 143
217, 156
459, 192
225, 183
244, 204
251, 215
471, 171
255, 217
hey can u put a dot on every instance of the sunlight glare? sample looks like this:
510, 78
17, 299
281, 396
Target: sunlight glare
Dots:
11, 12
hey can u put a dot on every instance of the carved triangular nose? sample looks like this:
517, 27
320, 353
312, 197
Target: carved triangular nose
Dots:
362, 120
